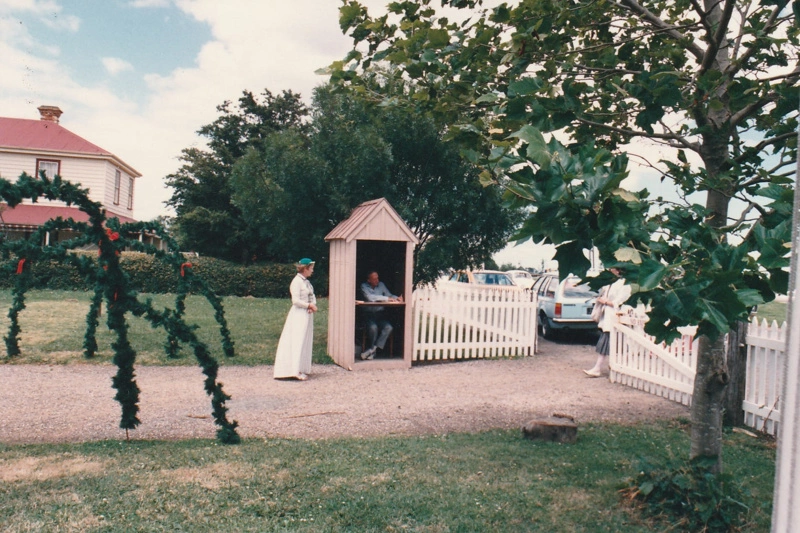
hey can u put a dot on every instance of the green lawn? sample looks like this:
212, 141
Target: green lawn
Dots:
773, 311
494, 481
54, 323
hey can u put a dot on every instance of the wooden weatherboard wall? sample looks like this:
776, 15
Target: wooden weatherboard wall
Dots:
372, 237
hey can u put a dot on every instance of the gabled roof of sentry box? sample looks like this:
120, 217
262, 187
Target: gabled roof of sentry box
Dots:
373, 220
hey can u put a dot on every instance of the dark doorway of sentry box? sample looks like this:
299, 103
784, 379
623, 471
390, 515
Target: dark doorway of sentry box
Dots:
388, 259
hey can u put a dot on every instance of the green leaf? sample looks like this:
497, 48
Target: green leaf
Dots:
650, 274
625, 195
524, 87
486, 178
714, 315
749, 297
571, 259
628, 255
537, 146
438, 38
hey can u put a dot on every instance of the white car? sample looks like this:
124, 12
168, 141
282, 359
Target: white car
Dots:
521, 278
564, 306
491, 278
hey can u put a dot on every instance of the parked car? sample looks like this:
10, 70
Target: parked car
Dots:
522, 278
565, 305
493, 278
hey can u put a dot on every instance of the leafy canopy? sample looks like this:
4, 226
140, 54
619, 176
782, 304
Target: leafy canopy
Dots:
276, 192
553, 98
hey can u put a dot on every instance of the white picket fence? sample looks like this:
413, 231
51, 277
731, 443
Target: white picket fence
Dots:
766, 350
459, 321
668, 371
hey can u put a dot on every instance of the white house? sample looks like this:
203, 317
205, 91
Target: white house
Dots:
32, 146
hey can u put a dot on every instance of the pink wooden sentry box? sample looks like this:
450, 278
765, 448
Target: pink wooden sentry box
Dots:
373, 237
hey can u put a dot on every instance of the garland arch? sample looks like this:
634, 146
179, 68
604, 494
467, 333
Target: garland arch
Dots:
111, 284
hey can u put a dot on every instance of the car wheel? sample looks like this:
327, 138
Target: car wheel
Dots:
546, 327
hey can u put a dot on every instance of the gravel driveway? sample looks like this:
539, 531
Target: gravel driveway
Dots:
75, 403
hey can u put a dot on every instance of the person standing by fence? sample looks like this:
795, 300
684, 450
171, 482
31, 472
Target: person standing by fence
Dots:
293, 359
611, 299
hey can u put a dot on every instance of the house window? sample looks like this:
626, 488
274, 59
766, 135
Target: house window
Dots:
130, 193
51, 167
117, 184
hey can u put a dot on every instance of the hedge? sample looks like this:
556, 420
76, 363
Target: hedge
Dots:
149, 274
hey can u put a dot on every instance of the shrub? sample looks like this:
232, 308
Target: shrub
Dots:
690, 495
150, 274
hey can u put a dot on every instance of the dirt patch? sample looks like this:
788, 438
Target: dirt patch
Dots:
210, 477
49, 467
75, 403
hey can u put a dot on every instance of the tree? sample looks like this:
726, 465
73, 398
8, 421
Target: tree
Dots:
206, 219
459, 223
357, 152
713, 84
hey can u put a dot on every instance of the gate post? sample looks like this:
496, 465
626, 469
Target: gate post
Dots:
736, 358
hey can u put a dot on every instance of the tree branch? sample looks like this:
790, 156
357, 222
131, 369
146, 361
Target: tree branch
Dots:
741, 220
634, 6
632, 133
753, 108
701, 12
739, 63
715, 41
763, 144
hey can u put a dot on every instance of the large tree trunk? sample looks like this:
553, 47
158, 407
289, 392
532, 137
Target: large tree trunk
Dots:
707, 405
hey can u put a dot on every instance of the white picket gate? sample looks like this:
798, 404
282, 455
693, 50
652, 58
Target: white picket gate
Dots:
459, 321
766, 349
668, 371
663, 370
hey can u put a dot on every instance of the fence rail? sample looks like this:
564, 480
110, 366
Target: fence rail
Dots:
457, 321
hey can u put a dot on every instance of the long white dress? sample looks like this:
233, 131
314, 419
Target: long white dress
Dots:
294, 347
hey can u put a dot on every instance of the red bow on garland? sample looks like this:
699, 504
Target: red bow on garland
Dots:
186, 265
20, 266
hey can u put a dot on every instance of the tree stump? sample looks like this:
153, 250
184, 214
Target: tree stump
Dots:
556, 428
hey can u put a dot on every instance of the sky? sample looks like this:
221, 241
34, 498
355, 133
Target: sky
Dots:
140, 77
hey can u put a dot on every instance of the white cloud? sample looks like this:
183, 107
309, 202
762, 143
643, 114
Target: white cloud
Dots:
34, 6
60, 22
49, 13
150, 3
255, 46
115, 65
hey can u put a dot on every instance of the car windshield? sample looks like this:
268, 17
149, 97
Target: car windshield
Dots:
490, 278
573, 288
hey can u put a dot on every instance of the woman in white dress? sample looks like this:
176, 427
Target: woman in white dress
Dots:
293, 359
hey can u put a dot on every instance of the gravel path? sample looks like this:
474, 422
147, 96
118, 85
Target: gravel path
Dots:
75, 403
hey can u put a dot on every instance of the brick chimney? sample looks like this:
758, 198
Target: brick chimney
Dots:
49, 113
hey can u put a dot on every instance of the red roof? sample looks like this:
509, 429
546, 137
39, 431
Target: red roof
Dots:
44, 135
36, 215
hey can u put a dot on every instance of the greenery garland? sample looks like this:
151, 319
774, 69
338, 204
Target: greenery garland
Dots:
111, 285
